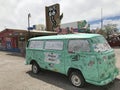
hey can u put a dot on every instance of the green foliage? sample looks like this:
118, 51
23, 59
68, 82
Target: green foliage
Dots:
110, 29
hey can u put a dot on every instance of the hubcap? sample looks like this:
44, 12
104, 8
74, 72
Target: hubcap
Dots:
34, 68
75, 80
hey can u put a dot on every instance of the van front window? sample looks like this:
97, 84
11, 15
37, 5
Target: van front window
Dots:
100, 44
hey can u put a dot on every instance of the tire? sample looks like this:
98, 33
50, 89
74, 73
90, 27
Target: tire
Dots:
77, 79
35, 68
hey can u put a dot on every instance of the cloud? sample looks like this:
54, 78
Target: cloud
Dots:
94, 26
88, 9
14, 12
105, 22
113, 22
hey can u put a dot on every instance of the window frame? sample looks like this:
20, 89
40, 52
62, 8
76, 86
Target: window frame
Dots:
60, 49
29, 43
79, 50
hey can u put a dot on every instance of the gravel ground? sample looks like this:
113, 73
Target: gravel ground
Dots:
14, 75
117, 53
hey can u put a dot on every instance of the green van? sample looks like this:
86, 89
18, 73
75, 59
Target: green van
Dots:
82, 57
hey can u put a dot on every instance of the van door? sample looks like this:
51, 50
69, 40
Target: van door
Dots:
34, 51
54, 55
78, 49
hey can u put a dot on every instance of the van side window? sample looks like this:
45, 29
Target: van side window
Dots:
78, 45
54, 45
36, 44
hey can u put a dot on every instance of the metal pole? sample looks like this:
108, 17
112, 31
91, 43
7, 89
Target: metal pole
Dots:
28, 26
101, 20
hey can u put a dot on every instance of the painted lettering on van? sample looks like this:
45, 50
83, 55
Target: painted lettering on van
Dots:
51, 57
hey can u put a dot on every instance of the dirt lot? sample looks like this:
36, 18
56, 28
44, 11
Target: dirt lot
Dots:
14, 75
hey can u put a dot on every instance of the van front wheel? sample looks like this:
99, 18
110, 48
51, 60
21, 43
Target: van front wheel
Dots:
35, 68
77, 79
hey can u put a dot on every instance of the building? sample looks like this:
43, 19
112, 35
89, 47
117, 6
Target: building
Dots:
15, 39
39, 27
73, 27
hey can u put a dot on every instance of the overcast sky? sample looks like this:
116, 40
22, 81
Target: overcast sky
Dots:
13, 13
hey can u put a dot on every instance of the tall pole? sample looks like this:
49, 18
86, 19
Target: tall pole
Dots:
101, 19
28, 25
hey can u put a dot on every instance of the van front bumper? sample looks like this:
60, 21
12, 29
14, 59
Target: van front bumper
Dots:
105, 81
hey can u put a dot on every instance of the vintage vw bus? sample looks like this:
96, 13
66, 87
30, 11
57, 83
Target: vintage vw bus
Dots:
82, 57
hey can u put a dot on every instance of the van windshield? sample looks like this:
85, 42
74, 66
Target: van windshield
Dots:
100, 44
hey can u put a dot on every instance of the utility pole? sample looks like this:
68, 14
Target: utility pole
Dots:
29, 15
101, 19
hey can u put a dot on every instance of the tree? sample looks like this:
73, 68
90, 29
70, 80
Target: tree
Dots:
110, 29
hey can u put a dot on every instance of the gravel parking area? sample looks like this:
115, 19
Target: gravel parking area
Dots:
14, 75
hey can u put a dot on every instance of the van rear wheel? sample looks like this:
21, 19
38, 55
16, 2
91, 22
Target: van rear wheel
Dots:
35, 68
77, 79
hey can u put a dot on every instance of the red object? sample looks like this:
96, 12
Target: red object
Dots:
114, 41
6, 36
